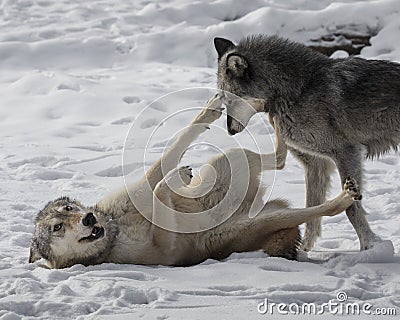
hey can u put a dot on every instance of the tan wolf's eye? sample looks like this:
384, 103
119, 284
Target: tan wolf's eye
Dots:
57, 227
68, 208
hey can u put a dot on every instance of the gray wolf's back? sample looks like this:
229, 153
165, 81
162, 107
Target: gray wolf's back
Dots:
370, 97
360, 98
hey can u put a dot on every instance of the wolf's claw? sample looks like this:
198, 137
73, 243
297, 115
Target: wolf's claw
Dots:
186, 174
352, 188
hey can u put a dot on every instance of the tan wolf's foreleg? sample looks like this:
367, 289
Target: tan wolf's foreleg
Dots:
142, 195
170, 159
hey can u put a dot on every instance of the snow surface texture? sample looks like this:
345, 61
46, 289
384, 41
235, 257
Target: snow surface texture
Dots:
75, 75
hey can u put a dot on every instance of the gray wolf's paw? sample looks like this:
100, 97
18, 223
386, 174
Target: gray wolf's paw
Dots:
186, 174
211, 112
352, 188
380, 245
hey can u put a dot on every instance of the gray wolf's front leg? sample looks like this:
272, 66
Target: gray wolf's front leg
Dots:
277, 160
317, 176
281, 147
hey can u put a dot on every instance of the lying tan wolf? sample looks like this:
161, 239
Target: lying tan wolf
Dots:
68, 233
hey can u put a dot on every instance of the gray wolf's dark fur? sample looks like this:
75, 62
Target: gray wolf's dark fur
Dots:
328, 109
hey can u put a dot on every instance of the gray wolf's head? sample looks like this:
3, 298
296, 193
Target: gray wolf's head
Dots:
239, 92
68, 233
266, 71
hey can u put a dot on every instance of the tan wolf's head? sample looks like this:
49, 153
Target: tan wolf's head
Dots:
68, 233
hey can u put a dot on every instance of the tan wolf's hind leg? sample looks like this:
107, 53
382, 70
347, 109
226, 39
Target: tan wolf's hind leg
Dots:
275, 228
283, 243
291, 218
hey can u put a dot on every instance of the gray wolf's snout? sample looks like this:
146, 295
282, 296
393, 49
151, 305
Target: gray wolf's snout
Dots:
89, 220
229, 126
232, 132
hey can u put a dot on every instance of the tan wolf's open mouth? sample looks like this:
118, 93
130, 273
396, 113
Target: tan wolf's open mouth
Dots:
97, 233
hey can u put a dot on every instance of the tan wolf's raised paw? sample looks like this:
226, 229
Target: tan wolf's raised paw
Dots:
211, 112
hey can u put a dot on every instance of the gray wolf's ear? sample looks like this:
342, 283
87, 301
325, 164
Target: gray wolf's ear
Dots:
237, 65
33, 254
222, 46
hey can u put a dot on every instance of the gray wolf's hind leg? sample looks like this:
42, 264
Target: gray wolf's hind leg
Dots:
317, 173
349, 163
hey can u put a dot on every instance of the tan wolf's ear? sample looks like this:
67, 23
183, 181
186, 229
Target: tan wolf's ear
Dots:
237, 65
222, 46
33, 255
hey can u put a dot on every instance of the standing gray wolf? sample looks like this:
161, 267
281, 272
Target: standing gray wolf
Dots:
68, 233
330, 112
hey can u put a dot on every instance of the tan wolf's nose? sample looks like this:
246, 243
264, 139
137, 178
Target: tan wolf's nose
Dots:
89, 220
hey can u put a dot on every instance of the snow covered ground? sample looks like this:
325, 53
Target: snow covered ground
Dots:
76, 74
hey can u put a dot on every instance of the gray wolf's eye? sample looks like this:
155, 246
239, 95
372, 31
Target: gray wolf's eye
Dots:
68, 208
57, 227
